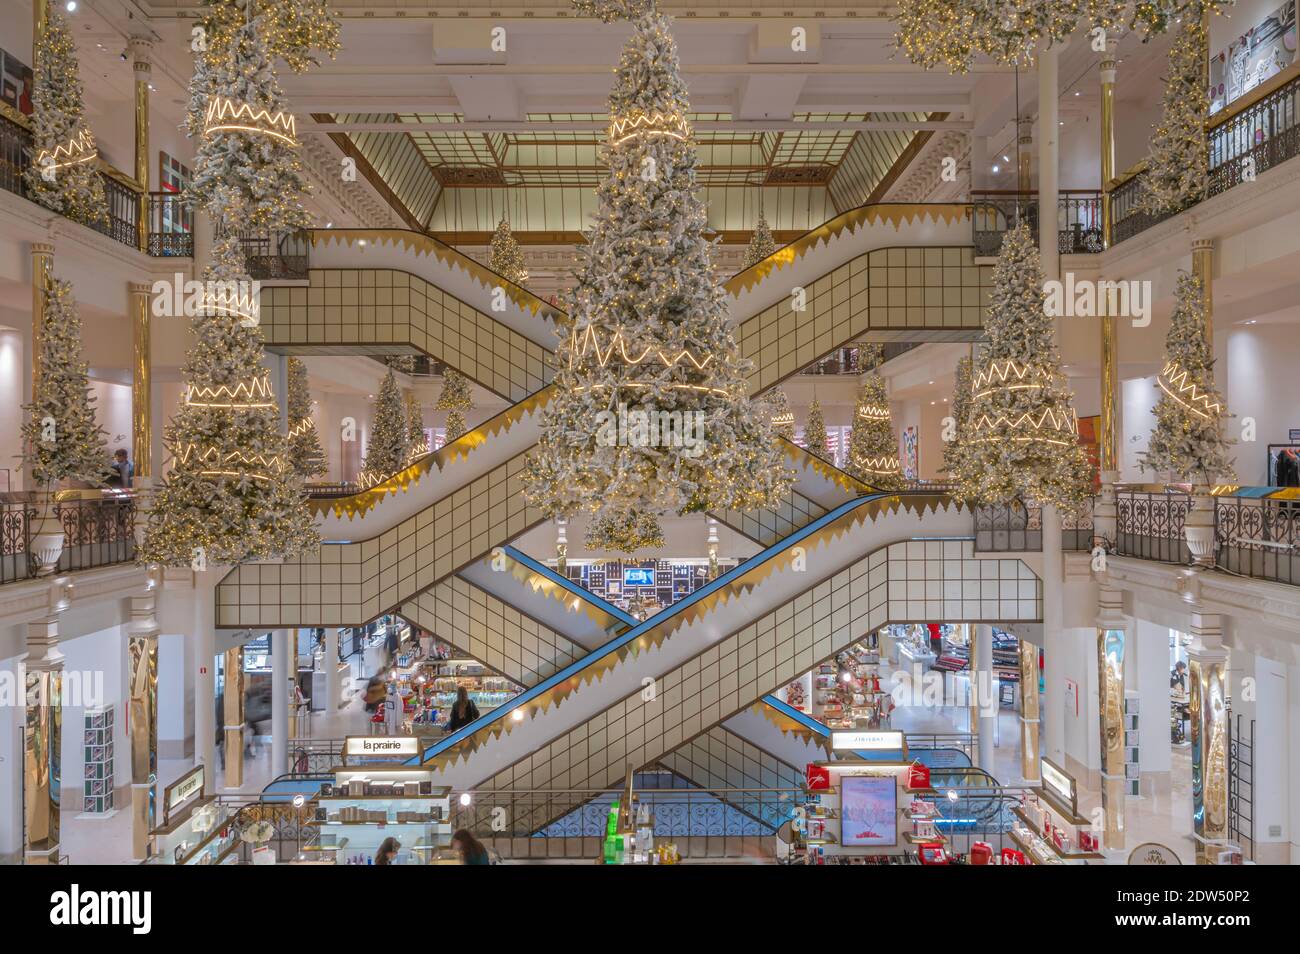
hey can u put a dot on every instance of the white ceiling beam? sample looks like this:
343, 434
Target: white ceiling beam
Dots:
768, 97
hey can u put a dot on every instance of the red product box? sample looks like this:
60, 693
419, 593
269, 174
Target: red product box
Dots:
817, 777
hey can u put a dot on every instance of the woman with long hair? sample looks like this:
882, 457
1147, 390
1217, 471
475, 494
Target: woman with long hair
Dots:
470, 848
463, 710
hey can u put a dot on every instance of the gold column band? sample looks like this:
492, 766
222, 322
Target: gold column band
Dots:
232, 715
43, 687
141, 380
42, 268
1108, 451
1203, 268
1029, 712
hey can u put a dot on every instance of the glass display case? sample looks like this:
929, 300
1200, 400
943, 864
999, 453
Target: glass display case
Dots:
366, 804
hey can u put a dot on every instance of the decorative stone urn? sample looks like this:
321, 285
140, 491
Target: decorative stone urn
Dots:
1198, 528
47, 536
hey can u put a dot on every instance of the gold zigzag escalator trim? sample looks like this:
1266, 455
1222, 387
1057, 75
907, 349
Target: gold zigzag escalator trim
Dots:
790, 726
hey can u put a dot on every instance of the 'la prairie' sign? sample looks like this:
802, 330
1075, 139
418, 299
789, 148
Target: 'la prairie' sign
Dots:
392, 747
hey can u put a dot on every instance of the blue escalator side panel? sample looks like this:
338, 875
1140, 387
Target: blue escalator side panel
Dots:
285, 789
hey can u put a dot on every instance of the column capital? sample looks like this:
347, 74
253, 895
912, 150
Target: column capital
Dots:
42, 248
1202, 245
1207, 636
141, 50
43, 645
139, 288
1110, 609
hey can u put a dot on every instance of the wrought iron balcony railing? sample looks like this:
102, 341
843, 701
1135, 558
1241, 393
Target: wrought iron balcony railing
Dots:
1078, 219
99, 530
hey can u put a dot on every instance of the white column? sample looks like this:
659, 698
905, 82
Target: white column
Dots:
1049, 135
331, 669
987, 695
1293, 763
280, 675
1259, 692
1053, 714
1151, 680
13, 714
205, 680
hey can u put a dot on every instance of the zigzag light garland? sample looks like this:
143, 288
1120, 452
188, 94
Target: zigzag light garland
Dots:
224, 115
873, 412
243, 396
233, 299
232, 464
998, 373
80, 148
623, 128
1064, 429
588, 341
1173, 380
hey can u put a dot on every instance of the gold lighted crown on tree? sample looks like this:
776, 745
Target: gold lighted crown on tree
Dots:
779, 414
873, 445
648, 331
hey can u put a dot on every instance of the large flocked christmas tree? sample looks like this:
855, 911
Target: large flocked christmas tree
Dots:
956, 447
386, 445
247, 170
1178, 164
64, 174
1188, 442
61, 440
761, 243
649, 332
455, 399
306, 455
1023, 435
873, 445
232, 494
416, 442
506, 259
814, 432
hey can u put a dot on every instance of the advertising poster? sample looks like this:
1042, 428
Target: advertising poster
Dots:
869, 811
1252, 57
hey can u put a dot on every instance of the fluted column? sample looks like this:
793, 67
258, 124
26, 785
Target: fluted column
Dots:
142, 719
1203, 268
1049, 135
40, 13
141, 381
42, 267
205, 679
1112, 641
1029, 718
232, 714
1207, 665
43, 684
141, 48
1024, 154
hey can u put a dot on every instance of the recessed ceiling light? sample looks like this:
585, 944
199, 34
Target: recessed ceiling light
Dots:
932, 382
997, 169
71, 6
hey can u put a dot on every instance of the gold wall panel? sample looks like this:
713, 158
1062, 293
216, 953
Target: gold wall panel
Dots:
385, 311
41, 764
479, 625
348, 584
1207, 689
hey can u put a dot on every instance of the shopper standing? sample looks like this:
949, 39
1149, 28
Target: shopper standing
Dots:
463, 710
470, 848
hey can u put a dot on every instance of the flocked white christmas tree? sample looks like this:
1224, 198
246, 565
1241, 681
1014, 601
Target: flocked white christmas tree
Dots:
1188, 441
455, 399
416, 442
873, 446
649, 333
64, 174
506, 259
761, 243
231, 494
306, 455
779, 414
61, 439
247, 170
1023, 434
1177, 169
814, 432
386, 444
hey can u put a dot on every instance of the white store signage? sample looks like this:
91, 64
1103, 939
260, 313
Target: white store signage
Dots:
385, 746
888, 740
1058, 783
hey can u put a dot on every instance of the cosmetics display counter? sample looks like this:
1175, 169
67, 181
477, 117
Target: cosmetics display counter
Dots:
1049, 828
197, 829
366, 803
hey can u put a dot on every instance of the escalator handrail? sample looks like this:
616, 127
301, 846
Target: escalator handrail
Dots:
622, 639
820, 728
560, 580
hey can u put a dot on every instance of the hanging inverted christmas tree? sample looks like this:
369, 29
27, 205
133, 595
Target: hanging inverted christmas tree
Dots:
455, 399
1023, 436
779, 414
231, 494
761, 243
64, 174
651, 413
956, 448
386, 445
247, 171
61, 440
814, 432
506, 259
1178, 165
416, 442
873, 446
1188, 442
294, 30
306, 455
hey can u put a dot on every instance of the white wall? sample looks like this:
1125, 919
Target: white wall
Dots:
13, 358
175, 697
1262, 383
94, 659
113, 413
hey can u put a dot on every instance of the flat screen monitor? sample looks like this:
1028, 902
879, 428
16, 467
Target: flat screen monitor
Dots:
638, 576
868, 811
